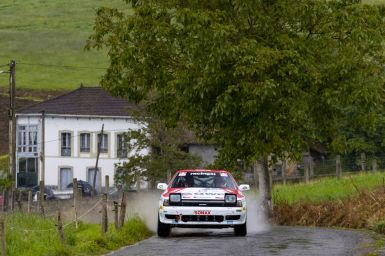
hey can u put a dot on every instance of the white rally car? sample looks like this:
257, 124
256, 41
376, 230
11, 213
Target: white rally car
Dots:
202, 199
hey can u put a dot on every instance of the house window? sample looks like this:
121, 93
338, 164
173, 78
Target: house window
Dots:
122, 147
90, 178
66, 144
66, 176
85, 142
103, 143
27, 171
27, 138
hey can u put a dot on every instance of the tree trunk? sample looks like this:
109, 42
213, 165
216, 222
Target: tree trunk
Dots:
265, 186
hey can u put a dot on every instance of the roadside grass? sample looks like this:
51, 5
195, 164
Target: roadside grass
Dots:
31, 234
327, 189
53, 33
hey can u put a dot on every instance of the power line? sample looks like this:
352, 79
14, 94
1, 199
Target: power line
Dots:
59, 66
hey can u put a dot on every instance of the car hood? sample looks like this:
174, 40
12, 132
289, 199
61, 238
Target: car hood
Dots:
203, 193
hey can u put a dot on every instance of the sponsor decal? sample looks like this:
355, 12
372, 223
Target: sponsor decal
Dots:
202, 212
203, 173
182, 174
223, 174
186, 196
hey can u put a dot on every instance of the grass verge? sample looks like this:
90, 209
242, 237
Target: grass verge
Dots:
327, 189
351, 202
34, 235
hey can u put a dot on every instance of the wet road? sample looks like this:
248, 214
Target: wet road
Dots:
275, 241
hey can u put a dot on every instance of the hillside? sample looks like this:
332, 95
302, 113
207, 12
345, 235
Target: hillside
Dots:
52, 33
45, 35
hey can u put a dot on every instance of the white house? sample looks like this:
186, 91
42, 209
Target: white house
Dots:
72, 126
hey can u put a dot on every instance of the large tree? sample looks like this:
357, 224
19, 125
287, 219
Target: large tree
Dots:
261, 77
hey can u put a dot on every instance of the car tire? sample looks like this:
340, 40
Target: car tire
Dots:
163, 229
240, 230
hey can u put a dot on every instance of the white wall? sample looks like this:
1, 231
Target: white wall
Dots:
79, 162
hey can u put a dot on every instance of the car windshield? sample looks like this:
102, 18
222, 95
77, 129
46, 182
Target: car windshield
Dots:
203, 180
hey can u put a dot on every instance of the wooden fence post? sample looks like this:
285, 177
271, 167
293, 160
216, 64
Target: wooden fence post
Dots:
60, 226
363, 161
122, 209
104, 214
13, 199
107, 185
41, 198
374, 165
338, 167
75, 195
306, 158
284, 168
116, 215
19, 200
29, 201
3, 242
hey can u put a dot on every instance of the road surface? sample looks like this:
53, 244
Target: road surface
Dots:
286, 241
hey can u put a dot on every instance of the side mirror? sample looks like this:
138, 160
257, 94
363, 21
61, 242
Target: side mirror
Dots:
244, 187
162, 186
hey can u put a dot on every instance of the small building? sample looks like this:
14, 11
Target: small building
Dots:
72, 129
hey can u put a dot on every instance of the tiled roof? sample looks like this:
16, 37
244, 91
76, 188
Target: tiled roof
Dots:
93, 101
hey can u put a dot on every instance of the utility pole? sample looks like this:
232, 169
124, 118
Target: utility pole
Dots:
42, 159
97, 159
42, 149
12, 126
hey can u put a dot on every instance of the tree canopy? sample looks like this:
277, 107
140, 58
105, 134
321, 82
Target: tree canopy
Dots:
258, 76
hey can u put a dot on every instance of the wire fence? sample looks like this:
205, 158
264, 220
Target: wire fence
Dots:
316, 166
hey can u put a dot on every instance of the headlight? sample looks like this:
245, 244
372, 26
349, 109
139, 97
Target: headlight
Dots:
175, 198
230, 199
165, 202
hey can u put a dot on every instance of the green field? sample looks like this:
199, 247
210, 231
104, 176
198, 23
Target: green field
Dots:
53, 33
327, 188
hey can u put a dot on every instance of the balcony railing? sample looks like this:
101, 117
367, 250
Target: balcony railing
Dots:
65, 151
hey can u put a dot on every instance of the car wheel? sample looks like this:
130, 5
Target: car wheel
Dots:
240, 230
163, 229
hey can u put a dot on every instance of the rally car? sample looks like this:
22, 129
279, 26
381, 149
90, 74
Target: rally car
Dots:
202, 199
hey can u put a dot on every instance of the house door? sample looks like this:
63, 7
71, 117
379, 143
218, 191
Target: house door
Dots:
65, 177
90, 178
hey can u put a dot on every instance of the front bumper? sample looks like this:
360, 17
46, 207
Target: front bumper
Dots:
212, 217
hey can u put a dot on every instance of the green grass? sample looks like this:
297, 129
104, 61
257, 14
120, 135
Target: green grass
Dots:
51, 32
326, 188
29, 235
